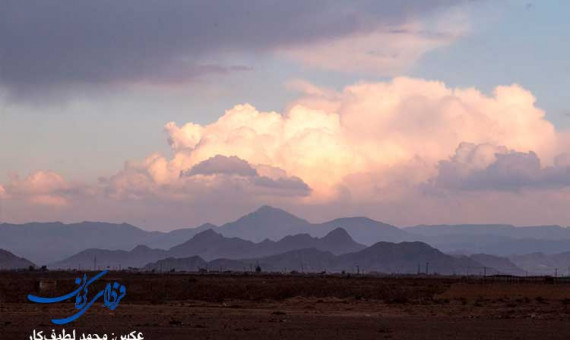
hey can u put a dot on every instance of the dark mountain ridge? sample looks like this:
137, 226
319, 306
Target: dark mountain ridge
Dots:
50, 242
382, 257
9, 261
544, 264
209, 245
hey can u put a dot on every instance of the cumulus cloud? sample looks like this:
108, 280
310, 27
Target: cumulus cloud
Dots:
217, 175
222, 165
42, 188
63, 44
367, 133
398, 150
488, 167
275, 182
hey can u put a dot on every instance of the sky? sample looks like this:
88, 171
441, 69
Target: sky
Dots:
169, 114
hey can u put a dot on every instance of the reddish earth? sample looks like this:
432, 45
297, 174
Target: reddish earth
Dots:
186, 306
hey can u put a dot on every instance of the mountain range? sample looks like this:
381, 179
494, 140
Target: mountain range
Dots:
51, 242
209, 245
272, 223
493, 265
46, 243
382, 257
495, 239
544, 264
9, 261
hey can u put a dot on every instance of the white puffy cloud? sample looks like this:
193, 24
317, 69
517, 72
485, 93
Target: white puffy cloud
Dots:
405, 151
41, 188
368, 137
154, 178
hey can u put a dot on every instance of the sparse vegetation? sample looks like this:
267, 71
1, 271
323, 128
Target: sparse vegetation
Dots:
212, 302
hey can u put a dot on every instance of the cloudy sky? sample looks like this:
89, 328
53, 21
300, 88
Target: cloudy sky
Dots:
168, 114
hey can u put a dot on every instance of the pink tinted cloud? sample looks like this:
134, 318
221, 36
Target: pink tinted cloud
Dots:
405, 151
41, 187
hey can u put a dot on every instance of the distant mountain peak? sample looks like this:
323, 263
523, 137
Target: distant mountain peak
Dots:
363, 220
207, 225
140, 248
265, 222
413, 245
355, 218
207, 234
269, 211
266, 207
11, 261
299, 236
338, 235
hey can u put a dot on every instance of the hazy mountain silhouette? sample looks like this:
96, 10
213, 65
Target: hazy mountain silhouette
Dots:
302, 260
190, 264
382, 257
272, 223
94, 259
546, 232
265, 223
499, 265
308, 260
209, 245
9, 261
405, 258
496, 239
544, 264
49, 242
175, 237
45, 243
336, 241
362, 230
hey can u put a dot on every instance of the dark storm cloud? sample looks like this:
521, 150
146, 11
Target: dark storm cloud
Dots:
510, 171
59, 44
222, 165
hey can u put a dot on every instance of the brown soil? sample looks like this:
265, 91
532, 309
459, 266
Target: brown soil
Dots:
185, 306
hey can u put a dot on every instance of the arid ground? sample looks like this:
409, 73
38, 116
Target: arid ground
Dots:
224, 306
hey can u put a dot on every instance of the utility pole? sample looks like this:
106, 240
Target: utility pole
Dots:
427, 268
484, 271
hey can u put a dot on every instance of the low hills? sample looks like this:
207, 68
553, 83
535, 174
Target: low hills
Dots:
9, 261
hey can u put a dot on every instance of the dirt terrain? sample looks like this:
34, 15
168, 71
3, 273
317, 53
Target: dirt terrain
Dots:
224, 306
